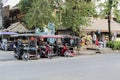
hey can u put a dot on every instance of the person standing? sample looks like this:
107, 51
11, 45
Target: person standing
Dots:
71, 42
94, 38
88, 40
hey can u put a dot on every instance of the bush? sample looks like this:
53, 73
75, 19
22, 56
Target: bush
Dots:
115, 45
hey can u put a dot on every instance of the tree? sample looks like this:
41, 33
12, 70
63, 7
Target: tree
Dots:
70, 13
77, 13
25, 5
105, 9
116, 5
40, 14
110, 8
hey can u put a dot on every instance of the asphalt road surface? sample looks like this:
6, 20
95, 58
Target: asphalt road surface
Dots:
83, 67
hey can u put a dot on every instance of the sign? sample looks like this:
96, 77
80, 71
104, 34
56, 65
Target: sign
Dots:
51, 28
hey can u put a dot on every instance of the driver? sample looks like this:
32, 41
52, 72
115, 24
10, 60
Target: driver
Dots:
32, 42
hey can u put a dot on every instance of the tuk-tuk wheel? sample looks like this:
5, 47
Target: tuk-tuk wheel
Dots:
25, 56
16, 56
66, 54
5, 49
49, 55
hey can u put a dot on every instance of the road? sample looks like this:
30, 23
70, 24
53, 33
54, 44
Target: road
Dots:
83, 67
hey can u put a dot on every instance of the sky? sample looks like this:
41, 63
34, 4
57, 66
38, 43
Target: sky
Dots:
12, 3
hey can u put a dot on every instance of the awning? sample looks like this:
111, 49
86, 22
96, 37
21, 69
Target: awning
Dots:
17, 27
102, 25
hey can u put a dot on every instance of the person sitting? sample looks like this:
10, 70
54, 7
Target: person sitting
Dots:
67, 52
32, 42
64, 49
48, 47
56, 48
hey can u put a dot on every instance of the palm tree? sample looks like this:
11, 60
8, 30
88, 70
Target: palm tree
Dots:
110, 9
109, 16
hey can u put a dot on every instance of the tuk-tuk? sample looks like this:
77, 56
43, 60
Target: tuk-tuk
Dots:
37, 46
62, 42
25, 46
32, 48
6, 40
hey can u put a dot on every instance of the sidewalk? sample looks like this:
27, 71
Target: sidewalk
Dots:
85, 52
92, 51
6, 55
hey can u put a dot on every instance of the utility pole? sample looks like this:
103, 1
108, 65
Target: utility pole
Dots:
109, 19
1, 16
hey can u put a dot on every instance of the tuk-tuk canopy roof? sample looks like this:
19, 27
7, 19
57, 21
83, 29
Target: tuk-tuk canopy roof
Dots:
54, 36
42, 36
20, 35
8, 33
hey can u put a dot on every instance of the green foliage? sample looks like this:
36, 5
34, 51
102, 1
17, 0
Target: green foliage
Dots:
71, 14
117, 15
110, 6
115, 45
77, 13
40, 14
25, 5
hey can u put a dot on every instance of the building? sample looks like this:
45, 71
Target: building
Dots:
11, 12
101, 26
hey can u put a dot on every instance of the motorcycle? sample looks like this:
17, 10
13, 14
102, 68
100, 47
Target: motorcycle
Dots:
45, 51
67, 52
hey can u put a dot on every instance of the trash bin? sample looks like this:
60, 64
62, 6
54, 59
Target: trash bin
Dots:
101, 44
104, 44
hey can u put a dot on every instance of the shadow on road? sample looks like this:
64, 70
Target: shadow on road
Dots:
1, 60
